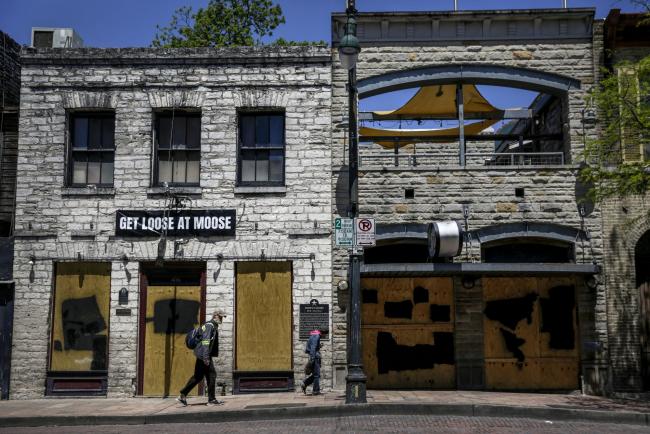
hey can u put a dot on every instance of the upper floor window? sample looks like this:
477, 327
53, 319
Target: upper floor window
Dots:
92, 149
178, 148
260, 160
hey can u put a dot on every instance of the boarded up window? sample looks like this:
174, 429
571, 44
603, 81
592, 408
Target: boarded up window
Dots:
263, 316
80, 320
631, 139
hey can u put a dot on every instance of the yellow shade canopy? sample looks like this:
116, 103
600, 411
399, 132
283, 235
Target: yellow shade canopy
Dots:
437, 135
440, 100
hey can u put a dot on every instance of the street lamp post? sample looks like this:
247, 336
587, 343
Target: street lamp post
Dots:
349, 48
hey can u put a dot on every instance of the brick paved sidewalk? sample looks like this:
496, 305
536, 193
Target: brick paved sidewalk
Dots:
286, 405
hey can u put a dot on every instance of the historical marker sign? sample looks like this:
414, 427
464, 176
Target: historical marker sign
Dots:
344, 232
365, 232
313, 316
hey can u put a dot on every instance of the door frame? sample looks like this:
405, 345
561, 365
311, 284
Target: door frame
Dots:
167, 268
6, 331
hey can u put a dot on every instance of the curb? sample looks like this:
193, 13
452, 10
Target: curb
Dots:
467, 410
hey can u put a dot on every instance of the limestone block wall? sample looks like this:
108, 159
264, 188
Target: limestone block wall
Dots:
55, 222
441, 192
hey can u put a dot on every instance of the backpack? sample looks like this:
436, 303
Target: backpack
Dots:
192, 338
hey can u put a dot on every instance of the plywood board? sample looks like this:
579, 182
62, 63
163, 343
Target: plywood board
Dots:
81, 317
543, 367
514, 291
170, 312
395, 373
407, 292
263, 316
407, 332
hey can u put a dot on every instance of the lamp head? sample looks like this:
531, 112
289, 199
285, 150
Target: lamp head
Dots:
349, 47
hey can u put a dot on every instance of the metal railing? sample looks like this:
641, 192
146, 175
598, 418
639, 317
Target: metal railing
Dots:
479, 159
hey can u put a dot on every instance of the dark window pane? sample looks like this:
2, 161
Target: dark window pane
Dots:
276, 167
262, 131
164, 131
80, 138
95, 133
108, 133
194, 132
179, 130
248, 166
107, 168
277, 130
179, 166
94, 168
78, 172
107, 173
247, 131
262, 166
164, 167
193, 167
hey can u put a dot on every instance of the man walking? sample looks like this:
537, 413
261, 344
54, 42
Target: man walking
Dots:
313, 349
207, 348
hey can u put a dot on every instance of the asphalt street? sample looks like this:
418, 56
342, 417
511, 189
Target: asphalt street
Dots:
359, 424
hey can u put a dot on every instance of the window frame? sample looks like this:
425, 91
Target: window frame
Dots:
173, 114
281, 112
71, 151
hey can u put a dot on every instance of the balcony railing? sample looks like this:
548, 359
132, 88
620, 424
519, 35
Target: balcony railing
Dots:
479, 159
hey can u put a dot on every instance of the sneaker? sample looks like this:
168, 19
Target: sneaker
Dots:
303, 387
182, 400
215, 402
316, 393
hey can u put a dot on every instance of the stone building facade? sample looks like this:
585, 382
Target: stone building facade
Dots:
406, 294
9, 102
625, 233
233, 144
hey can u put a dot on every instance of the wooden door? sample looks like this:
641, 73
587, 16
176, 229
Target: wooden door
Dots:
530, 333
408, 332
263, 316
6, 324
171, 311
644, 301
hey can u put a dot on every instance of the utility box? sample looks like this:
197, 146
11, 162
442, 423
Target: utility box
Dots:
49, 37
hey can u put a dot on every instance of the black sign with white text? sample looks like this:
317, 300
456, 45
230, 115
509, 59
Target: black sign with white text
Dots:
205, 223
312, 316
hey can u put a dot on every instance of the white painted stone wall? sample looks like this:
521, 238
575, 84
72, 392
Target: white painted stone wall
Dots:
133, 83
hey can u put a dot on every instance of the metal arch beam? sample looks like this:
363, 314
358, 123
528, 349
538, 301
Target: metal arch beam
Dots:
547, 231
465, 73
393, 232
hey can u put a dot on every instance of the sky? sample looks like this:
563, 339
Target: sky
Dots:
132, 23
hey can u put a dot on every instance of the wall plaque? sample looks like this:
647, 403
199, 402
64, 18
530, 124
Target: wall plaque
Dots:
312, 316
208, 222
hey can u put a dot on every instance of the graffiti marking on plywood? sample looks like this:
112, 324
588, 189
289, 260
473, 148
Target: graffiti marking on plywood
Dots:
174, 316
369, 296
557, 317
440, 313
394, 357
513, 343
420, 295
398, 309
510, 312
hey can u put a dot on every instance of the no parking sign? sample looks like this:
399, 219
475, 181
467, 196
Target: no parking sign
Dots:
365, 232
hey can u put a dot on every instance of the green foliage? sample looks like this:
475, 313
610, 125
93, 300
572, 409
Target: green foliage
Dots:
619, 158
222, 23
281, 42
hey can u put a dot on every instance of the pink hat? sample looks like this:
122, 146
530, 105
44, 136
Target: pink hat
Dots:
314, 332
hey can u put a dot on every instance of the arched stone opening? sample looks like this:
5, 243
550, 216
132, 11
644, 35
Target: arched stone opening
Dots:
642, 267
